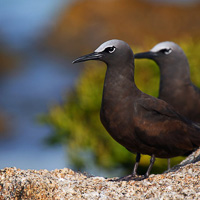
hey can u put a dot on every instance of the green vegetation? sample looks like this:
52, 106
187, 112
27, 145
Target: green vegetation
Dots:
76, 123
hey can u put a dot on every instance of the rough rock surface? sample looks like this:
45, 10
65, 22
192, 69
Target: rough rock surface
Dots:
181, 182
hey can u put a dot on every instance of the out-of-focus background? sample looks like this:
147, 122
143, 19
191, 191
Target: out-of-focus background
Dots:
49, 109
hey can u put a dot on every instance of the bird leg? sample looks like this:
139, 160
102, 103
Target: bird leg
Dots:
168, 163
136, 164
134, 173
152, 160
134, 176
139, 178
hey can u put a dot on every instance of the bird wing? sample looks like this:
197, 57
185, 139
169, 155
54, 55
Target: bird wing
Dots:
160, 128
162, 109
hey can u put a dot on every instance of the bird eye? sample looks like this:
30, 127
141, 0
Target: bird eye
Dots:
166, 51
110, 49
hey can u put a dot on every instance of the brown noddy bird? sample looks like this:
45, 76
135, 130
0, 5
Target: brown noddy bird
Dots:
176, 87
141, 123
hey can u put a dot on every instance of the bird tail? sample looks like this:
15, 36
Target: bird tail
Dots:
195, 135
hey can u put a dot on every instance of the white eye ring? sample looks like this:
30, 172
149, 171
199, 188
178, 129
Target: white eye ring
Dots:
110, 49
167, 51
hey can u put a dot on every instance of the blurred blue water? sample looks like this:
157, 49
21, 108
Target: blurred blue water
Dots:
22, 21
40, 82
24, 96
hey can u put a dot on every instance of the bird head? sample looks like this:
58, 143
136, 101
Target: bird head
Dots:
111, 52
163, 52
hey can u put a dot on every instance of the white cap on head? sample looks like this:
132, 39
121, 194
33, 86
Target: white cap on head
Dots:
164, 45
109, 43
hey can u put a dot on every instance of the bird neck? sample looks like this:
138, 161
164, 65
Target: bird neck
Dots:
175, 75
119, 83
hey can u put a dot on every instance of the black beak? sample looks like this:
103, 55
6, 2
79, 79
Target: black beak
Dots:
148, 54
92, 56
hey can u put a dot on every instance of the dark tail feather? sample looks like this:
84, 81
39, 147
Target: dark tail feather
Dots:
195, 135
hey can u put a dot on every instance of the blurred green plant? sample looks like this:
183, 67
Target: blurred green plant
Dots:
76, 123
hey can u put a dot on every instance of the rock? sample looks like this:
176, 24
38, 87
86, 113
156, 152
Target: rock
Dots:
181, 182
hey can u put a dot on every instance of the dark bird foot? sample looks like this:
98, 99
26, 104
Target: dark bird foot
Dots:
131, 177
127, 178
140, 178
